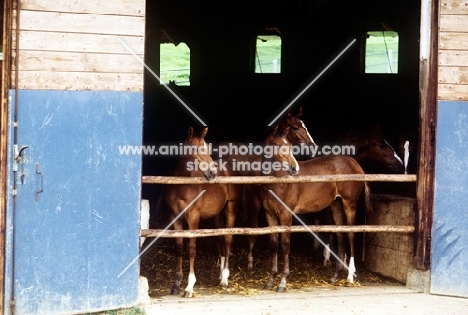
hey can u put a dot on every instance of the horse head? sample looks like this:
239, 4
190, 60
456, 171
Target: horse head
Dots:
298, 133
279, 150
377, 149
197, 152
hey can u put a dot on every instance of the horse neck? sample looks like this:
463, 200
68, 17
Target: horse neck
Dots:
360, 143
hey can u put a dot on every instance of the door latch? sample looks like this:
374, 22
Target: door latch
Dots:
18, 156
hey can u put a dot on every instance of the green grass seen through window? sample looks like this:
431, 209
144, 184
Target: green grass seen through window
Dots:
381, 52
175, 64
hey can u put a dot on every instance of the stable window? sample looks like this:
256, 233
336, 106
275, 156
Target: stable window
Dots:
381, 52
174, 64
268, 54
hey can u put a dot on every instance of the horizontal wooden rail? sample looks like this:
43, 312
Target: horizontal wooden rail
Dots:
272, 179
276, 229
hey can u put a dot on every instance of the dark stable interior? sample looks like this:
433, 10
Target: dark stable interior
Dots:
238, 104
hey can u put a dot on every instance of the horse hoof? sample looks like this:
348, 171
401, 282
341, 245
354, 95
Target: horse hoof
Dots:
267, 287
281, 289
349, 284
175, 291
188, 294
250, 274
332, 281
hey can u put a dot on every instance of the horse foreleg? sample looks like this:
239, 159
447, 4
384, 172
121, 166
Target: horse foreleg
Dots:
230, 211
351, 266
272, 221
326, 252
350, 213
193, 221
341, 254
250, 259
179, 251
273, 261
253, 220
191, 277
285, 247
219, 223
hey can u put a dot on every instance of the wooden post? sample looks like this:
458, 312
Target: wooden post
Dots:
428, 117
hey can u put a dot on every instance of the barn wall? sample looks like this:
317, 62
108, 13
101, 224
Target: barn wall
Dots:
74, 45
449, 234
453, 50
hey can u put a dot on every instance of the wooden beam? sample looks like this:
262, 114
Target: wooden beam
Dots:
272, 179
427, 131
276, 229
121, 7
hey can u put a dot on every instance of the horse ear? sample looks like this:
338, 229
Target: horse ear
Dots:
190, 132
282, 129
375, 130
203, 132
299, 112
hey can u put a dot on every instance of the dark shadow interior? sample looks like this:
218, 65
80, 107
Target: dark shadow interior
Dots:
238, 104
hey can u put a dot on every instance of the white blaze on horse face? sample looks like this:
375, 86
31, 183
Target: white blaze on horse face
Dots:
406, 156
308, 134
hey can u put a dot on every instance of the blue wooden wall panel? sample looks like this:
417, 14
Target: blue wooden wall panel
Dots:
449, 275
73, 242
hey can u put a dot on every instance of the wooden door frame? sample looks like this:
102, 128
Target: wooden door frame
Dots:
428, 70
4, 145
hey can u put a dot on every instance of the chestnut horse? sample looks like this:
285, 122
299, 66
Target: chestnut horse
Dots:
373, 153
371, 147
303, 198
216, 199
298, 135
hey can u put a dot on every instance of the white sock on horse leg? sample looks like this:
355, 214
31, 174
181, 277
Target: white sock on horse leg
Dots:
326, 255
351, 271
224, 277
191, 282
221, 266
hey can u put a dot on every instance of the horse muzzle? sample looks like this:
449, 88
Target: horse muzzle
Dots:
210, 174
294, 170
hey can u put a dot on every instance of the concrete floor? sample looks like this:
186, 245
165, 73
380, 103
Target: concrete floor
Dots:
382, 299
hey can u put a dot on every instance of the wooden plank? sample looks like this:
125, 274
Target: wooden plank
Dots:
453, 58
39, 80
79, 42
174, 180
82, 23
453, 75
120, 7
454, 7
275, 229
453, 41
454, 92
75, 62
454, 23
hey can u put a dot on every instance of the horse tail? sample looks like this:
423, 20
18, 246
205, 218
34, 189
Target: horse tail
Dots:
367, 199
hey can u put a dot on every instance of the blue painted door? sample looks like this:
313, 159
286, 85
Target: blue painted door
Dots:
449, 275
75, 225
